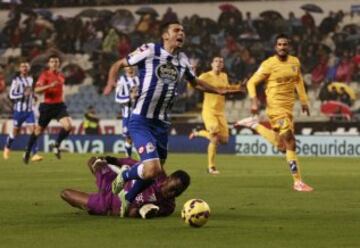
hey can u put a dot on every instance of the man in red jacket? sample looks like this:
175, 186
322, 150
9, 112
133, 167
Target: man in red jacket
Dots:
51, 85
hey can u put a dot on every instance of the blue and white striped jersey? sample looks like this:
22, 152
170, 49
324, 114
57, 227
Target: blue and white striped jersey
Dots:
17, 93
159, 73
122, 93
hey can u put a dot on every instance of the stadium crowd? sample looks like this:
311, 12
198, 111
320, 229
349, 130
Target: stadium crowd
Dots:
91, 41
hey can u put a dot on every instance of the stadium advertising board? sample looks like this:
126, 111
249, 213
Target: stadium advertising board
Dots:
245, 145
344, 146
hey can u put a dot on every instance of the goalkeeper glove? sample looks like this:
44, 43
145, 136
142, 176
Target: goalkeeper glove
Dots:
148, 211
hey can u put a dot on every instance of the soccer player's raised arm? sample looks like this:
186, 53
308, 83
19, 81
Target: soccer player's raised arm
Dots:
113, 72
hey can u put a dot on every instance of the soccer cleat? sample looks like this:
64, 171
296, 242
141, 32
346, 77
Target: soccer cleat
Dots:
192, 134
118, 183
249, 122
56, 150
26, 157
6, 153
124, 203
213, 171
36, 158
302, 187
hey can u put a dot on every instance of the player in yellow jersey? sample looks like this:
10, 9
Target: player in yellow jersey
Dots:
282, 76
213, 115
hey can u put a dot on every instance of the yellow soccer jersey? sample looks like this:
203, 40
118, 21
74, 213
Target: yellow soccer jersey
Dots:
214, 103
281, 78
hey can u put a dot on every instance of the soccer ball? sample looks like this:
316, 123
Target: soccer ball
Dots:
195, 212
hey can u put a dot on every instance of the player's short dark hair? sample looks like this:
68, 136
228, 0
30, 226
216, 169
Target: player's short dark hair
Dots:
281, 36
184, 179
23, 60
165, 26
53, 56
216, 55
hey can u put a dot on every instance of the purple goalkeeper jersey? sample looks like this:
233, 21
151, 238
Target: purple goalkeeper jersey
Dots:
104, 202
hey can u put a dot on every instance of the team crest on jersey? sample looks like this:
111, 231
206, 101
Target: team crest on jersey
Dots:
281, 122
168, 73
141, 150
150, 147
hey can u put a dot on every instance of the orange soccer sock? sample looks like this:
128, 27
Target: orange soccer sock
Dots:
293, 164
211, 154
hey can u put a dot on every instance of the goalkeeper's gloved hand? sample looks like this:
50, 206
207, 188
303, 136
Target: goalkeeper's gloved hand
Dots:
148, 211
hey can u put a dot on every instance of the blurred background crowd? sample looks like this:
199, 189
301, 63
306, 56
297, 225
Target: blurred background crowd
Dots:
92, 40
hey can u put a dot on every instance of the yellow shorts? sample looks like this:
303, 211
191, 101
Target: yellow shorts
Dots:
216, 124
281, 123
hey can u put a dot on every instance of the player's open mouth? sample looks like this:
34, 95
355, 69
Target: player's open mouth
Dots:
181, 40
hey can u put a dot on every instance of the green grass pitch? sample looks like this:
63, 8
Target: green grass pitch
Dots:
252, 205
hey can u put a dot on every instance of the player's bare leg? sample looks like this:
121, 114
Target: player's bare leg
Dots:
35, 157
252, 122
199, 133
33, 137
212, 148
289, 141
63, 134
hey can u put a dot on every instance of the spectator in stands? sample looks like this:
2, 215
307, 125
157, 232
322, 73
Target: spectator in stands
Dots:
309, 59
12, 52
308, 21
324, 93
74, 35
110, 42
124, 46
332, 67
169, 16
356, 62
145, 24
319, 72
344, 97
294, 23
345, 68
91, 122
333, 94
328, 24
2, 82
249, 23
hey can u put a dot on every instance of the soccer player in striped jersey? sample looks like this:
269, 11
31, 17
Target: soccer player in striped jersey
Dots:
125, 94
282, 74
161, 67
21, 92
51, 84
